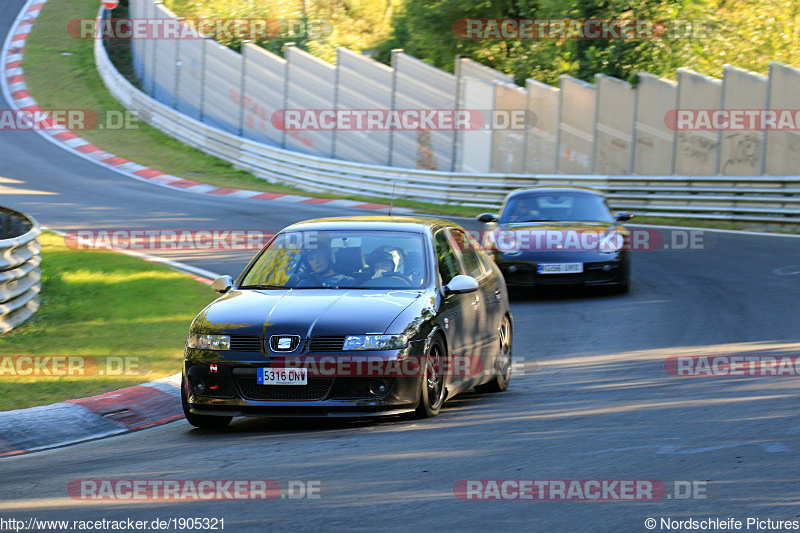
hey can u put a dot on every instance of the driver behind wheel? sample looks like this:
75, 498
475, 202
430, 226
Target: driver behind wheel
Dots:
381, 263
321, 272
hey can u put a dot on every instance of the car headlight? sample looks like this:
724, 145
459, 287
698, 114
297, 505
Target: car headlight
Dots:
209, 342
375, 342
612, 242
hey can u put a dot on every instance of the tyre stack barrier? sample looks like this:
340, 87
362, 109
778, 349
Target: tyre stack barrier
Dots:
20, 277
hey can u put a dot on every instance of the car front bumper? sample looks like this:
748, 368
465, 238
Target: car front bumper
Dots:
231, 389
520, 273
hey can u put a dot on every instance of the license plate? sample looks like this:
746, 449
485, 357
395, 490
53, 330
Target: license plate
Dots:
282, 376
559, 268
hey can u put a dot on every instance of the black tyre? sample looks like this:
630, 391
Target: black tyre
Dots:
432, 384
624, 284
502, 368
203, 421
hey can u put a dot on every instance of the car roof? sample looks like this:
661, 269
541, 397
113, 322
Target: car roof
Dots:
567, 189
396, 223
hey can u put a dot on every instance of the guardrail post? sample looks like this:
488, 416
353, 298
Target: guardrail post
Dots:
285, 105
456, 136
176, 84
202, 114
155, 55
394, 102
335, 99
242, 86
767, 105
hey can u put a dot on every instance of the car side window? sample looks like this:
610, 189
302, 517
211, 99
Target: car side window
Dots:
471, 261
446, 258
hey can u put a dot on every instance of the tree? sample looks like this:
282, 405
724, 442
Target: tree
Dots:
424, 30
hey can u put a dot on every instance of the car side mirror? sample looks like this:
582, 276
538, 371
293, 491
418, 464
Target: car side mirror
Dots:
461, 284
487, 217
222, 284
622, 216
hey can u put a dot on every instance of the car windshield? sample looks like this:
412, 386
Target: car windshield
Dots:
341, 259
555, 207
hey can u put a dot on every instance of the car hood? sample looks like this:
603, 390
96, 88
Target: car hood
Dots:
557, 241
306, 312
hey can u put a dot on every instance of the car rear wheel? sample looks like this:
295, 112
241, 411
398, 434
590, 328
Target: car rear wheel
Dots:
202, 421
432, 383
502, 368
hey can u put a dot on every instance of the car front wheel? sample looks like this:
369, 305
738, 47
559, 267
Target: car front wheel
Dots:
502, 368
432, 384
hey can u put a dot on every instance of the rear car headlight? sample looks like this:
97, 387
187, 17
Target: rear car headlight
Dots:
209, 342
375, 342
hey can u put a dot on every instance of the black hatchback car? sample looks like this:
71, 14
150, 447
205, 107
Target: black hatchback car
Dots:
350, 317
557, 235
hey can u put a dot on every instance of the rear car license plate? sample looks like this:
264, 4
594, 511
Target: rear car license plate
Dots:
282, 376
559, 268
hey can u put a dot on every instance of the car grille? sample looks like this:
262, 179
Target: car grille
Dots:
347, 388
245, 343
246, 381
294, 341
327, 344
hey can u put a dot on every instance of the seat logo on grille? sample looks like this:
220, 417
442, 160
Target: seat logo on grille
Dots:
284, 343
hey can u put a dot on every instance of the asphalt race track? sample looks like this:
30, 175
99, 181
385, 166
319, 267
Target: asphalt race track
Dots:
592, 401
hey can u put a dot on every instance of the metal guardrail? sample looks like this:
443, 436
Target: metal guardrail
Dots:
20, 277
772, 199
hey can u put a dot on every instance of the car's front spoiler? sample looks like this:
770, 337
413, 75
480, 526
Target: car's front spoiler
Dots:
305, 411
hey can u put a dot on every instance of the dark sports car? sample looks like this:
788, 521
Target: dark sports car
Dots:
556, 235
350, 317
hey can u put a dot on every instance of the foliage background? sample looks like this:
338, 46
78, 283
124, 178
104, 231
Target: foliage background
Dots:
745, 33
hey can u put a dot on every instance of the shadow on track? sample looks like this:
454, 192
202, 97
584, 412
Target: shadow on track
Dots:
564, 292
272, 425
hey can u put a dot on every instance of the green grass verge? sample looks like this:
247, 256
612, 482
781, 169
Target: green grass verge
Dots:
59, 81
99, 303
